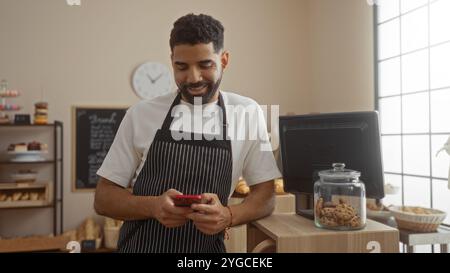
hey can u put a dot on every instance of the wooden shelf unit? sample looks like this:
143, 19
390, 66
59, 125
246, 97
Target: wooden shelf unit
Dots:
54, 188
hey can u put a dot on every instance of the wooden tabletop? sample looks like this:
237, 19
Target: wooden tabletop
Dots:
292, 225
293, 233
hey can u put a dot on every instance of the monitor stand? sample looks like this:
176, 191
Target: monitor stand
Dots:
302, 200
307, 213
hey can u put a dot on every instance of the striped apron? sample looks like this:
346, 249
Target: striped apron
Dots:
191, 167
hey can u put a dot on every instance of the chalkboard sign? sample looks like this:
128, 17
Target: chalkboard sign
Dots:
94, 130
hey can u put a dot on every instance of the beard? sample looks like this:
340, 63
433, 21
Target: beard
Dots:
211, 90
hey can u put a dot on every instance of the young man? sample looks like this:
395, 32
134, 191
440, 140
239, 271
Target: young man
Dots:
148, 155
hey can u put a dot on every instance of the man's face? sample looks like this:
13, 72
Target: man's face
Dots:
198, 71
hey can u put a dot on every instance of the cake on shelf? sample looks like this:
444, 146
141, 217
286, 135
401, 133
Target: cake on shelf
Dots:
37, 146
23, 152
24, 147
19, 147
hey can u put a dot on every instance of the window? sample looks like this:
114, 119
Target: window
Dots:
413, 97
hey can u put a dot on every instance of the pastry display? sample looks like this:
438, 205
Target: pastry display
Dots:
88, 230
19, 147
25, 196
242, 187
417, 219
9, 107
417, 210
19, 196
34, 196
279, 186
16, 196
41, 113
24, 147
4, 104
37, 146
31, 152
334, 215
9, 93
34, 146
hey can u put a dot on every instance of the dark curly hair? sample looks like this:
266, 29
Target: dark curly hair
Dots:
195, 29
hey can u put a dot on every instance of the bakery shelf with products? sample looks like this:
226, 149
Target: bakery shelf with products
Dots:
31, 176
26, 195
5, 106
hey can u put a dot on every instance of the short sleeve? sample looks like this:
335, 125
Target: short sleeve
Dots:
259, 163
122, 159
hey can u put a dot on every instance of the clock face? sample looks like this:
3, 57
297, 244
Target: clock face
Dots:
151, 80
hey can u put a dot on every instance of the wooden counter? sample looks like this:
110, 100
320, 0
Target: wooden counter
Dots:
237, 242
289, 232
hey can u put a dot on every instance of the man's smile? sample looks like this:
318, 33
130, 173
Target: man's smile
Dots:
198, 91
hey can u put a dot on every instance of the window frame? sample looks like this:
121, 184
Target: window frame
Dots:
429, 90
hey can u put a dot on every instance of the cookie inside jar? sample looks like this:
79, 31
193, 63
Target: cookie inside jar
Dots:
339, 199
340, 214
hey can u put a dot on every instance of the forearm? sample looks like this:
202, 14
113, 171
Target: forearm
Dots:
259, 204
118, 203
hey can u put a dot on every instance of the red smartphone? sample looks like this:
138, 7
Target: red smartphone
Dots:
187, 200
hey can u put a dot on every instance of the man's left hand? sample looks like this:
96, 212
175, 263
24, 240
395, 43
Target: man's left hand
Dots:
212, 217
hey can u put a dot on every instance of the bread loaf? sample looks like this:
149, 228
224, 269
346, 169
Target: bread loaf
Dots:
242, 187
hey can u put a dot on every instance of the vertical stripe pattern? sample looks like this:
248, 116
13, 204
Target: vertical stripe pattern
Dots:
191, 167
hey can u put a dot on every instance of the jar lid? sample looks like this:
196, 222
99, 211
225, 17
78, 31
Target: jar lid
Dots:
339, 173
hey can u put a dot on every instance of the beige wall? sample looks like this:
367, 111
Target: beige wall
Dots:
85, 55
286, 52
340, 33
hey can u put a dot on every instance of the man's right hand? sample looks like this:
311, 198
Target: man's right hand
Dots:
167, 213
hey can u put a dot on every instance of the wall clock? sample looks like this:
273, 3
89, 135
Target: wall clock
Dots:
151, 79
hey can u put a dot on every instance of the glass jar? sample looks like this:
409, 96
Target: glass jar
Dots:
339, 199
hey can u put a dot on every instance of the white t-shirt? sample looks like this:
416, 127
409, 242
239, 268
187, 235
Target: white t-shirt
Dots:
251, 158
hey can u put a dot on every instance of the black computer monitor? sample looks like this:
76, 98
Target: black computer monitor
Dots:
311, 143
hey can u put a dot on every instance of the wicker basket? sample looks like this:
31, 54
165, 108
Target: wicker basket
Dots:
418, 222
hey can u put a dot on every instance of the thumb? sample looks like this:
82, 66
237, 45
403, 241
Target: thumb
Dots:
172, 193
210, 198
